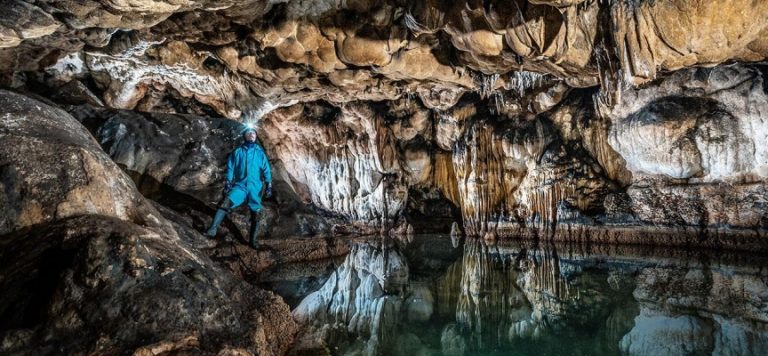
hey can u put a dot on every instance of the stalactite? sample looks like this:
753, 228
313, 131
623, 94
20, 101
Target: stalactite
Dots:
480, 175
486, 84
543, 201
445, 177
522, 81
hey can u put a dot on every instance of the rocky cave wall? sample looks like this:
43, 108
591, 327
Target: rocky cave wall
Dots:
583, 119
90, 266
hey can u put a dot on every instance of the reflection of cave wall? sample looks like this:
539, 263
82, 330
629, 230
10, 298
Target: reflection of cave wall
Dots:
513, 297
484, 300
364, 297
555, 299
705, 309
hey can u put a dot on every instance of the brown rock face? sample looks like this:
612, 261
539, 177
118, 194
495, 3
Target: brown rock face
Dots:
89, 266
54, 169
230, 55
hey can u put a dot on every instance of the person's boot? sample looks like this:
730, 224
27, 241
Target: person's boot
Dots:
253, 230
220, 214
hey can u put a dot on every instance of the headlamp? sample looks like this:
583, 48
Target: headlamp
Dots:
248, 126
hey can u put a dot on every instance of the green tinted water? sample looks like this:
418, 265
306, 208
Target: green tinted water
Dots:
431, 295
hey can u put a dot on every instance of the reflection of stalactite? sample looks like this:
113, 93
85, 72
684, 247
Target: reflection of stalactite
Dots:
364, 297
546, 279
506, 297
482, 304
448, 290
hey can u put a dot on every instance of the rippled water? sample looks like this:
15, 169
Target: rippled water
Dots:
431, 295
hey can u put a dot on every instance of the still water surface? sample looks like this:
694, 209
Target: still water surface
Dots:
431, 295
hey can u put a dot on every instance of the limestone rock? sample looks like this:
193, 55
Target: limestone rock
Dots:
432, 48
672, 35
701, 126
90, 266
22, 20
180, 161
344, 162
55, 170
524, 115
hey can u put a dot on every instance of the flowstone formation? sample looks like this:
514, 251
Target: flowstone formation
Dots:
573, 120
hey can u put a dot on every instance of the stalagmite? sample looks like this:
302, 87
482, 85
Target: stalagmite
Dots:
455, 230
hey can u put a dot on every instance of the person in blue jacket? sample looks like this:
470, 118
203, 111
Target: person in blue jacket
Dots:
248, 172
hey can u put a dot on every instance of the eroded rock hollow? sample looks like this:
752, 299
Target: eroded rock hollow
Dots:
619, 121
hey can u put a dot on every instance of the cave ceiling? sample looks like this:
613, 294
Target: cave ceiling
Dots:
242, 59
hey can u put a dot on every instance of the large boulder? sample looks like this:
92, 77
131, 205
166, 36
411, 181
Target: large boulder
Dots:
53, 169
89, 266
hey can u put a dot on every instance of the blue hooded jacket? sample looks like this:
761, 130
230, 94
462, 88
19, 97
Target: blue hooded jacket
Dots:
247, 169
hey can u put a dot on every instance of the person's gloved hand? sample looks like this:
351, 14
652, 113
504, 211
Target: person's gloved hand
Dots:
227, 186
268, 192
